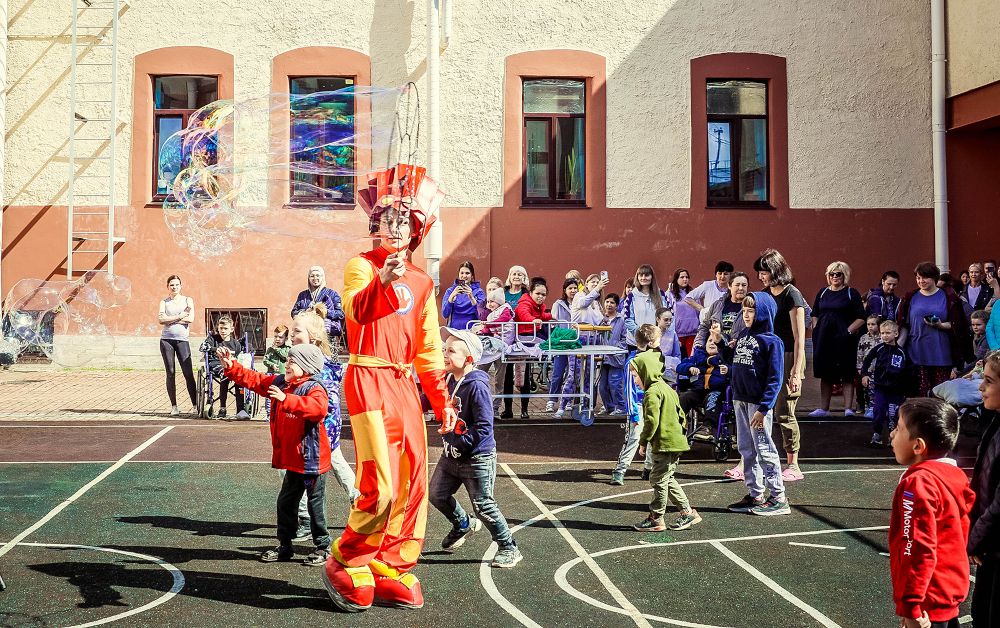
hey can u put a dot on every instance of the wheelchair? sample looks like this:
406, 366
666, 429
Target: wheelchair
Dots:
208, 384
724, 441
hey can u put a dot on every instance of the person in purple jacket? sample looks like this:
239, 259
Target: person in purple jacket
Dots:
316, 293
882, 301
612, 386
460, 305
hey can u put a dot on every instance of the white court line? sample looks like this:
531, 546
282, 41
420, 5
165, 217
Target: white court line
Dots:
618, 596
774, 586
89, 485
965, 619
836, 547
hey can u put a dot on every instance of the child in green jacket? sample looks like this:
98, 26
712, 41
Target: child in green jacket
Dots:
277, 354
663, 431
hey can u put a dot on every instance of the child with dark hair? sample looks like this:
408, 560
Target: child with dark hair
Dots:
890, 380
223, 337
613, 366
708, 374
929, 528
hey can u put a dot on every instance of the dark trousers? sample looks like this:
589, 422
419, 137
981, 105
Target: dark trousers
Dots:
886, 410
508, 386
710, 400
952, 623
180, 349
986, 596
292, 488
223, 384
478, 474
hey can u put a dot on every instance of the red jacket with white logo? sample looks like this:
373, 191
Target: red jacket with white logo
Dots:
927, 536
529, 311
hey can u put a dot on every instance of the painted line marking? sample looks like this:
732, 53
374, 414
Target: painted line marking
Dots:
965, 619
884, 554
836, 547
89, 485
174, 571
618, 596
774, 586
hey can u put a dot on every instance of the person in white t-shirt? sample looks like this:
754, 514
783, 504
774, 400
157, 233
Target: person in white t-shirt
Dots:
709, 292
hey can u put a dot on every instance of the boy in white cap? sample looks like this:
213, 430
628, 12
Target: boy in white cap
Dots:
299, 441
470, 455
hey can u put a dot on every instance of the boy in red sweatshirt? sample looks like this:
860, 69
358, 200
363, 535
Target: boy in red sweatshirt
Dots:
299, 441
929, 528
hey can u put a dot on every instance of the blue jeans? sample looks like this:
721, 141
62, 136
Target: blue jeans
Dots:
293, 485
760, 456
631, 446
611, 387
559, 365
478, 474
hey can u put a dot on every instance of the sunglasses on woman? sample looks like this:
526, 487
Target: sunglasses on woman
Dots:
836, 274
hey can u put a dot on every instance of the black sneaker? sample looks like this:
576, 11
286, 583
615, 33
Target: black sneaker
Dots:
304, 533
276, 554
457, 536
316, 558
685, 521
645, 474
507, 557
702, 434
746, 504
876, 440
651, 525
525, 415
506, 414
221, 414
772, 507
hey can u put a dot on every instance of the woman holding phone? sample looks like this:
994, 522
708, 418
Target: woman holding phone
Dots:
462, 300
176, 315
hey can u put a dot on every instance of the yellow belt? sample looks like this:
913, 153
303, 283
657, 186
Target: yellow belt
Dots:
369, 361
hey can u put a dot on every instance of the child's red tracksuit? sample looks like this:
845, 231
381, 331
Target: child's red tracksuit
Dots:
927, 537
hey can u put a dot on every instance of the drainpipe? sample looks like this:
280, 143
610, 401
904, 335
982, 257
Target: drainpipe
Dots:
433, 243
938, 127
445, 24
3, 113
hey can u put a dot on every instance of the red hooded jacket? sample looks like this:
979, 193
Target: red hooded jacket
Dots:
298, 438
927, 537
528, 311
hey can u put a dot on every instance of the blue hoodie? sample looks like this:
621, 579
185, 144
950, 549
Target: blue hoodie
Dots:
758, 358
462, 311
709, 378
474, 405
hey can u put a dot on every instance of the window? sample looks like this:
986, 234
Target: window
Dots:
320, 122
175, 99
554, 144
737, 142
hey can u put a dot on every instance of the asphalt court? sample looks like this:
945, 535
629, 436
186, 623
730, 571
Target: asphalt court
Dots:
169, 534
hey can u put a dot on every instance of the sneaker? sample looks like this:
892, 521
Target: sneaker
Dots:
848, 412
276, 554
876, 440
304, 533
772, 507
242, 416
685, 521
792, 473
645, 475
651, 525
870, 413
549, 406
221, 414
525, 415
703, 434
317, 558
457, 536
394, 588
507, 557
617, 412
819, 412
736, 473
174, 411
557, 415
506, 414
352, 589
746, 504
617, 478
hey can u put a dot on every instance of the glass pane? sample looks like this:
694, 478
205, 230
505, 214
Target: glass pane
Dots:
753, 160
165, 127
184, 92
743, 98
569, 159
537, 137
554, 96
321, 122
720, 179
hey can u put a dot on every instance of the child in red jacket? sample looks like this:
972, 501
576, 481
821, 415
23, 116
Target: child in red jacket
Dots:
299, 441
930, 517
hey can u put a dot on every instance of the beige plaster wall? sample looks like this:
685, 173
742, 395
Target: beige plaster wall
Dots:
973, 44
858, 80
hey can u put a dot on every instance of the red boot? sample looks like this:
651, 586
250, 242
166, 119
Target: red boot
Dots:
352, 589
395, 589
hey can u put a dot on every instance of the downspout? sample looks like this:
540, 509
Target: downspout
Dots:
3, 117
445, 24
938, 130
433, 243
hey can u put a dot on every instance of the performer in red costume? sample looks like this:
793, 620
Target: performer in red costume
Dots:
392, 331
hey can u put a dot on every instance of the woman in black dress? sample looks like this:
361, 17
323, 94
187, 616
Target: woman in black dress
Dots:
837, 315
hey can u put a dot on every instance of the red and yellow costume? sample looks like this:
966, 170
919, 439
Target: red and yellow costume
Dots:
391, 332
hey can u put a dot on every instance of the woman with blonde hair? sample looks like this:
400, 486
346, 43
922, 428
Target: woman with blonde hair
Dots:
837, 315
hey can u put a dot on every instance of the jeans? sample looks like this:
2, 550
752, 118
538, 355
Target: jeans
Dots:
182, 350
292, 487
634, 431
559, 365
760, 456
611, 387
665, 485
478, 474
344, 476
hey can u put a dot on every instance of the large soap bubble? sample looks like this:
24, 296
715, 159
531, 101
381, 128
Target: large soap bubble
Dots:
62, 319
284, 164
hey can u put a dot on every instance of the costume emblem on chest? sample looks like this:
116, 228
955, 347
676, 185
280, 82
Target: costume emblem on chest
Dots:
405, 297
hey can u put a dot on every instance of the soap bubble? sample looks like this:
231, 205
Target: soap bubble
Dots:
62, 319
284, 164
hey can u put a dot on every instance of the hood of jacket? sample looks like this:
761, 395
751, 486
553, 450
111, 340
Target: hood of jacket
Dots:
763, 321
879, 292
474, 375
650, 366
949, 474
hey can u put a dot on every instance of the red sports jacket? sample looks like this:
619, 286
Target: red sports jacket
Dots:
527, 311
927, 536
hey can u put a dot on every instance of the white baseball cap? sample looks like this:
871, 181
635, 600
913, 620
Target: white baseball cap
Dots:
470, 339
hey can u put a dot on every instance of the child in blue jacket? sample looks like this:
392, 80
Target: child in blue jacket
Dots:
709, 377
758, 360
633, 414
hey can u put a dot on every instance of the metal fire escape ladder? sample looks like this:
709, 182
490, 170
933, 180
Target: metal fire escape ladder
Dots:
93, 125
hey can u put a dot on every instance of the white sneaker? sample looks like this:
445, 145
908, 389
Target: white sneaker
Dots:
848, 412
819, 412
558, 414
174, 411
549, 406
242, 416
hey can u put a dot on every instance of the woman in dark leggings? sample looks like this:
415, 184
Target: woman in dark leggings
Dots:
176, 315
